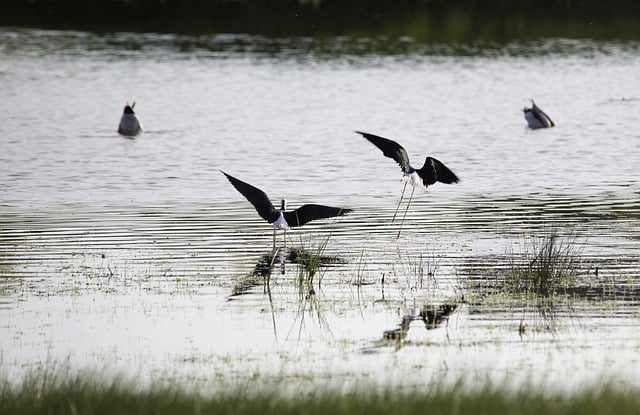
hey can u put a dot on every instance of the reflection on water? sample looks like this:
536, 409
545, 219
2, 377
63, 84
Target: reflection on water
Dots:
432, 316
128, 252
347, 49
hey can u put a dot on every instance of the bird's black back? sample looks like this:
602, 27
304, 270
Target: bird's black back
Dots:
307, 213
541, 115
257, 198
435, 171
390, 149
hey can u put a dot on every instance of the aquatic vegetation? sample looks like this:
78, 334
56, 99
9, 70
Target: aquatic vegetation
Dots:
550, 264
309, 260
418, 270
540, 281
361, 268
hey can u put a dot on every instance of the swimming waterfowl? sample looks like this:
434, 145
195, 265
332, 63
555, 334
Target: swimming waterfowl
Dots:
129, 123
536, 118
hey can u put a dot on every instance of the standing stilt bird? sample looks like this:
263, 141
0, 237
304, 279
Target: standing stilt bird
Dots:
432, 171
536, 118
280, 219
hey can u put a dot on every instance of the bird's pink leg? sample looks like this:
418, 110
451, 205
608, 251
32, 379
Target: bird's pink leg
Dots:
398, 207
274, 241
405, 212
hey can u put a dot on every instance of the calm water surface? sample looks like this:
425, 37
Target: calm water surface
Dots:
137, 257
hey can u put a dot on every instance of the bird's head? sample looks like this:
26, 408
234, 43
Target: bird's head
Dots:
533, 104
128, 109
283, 205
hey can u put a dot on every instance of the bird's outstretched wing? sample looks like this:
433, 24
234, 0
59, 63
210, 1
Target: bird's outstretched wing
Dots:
307, 213
256, 197
435, 171
390, 149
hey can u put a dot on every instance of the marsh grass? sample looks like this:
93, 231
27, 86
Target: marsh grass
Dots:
544, 276
550, 265
419, 270
360, 271
82, 396
310, 258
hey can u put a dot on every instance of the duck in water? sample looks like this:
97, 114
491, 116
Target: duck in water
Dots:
536, 118
129, 123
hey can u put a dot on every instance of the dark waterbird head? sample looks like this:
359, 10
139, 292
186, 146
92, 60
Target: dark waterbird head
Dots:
128, 109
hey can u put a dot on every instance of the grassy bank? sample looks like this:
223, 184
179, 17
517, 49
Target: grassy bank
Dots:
82, 397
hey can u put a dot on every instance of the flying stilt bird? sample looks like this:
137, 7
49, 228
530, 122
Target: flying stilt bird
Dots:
431, 172
280, 218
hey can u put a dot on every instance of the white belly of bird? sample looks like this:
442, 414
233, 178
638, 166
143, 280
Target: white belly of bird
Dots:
280, 223
413, 179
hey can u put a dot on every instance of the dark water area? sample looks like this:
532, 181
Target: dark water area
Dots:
424, 21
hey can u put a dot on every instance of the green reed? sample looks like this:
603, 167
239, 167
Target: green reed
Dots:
549, 265
310, 258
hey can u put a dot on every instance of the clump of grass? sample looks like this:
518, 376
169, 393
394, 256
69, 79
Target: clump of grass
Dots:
549, 265
309, 260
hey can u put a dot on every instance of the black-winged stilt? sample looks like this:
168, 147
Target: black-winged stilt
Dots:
280, 219
432, 171
129, 123
536, 118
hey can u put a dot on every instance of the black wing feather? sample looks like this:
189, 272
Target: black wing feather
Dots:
390, 149
307, 213
257, 198
435, 171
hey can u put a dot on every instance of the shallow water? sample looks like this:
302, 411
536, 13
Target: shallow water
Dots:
123, 255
